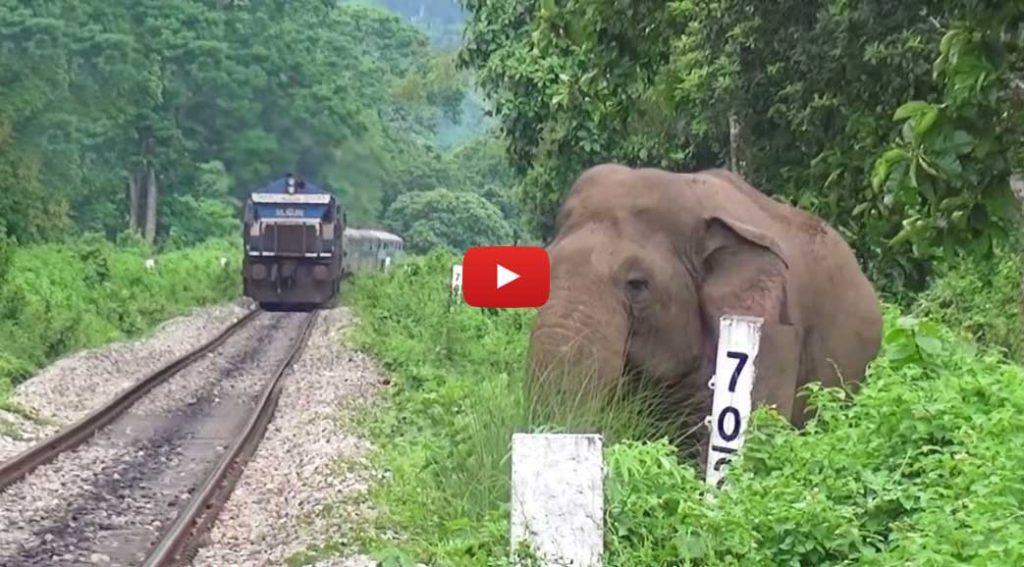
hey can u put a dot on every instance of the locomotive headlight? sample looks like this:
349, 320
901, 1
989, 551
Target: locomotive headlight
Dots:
258, 271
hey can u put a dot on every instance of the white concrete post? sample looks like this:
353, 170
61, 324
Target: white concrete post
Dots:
739, 338
456, 281
558, 498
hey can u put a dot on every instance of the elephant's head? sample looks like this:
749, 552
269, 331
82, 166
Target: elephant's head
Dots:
643, 265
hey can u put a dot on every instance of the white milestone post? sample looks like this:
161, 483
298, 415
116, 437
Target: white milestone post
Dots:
456, 281
558, 498
739, 338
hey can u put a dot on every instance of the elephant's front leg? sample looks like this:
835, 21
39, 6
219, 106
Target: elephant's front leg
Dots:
777, 368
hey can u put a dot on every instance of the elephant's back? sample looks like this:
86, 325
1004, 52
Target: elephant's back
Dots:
835, 296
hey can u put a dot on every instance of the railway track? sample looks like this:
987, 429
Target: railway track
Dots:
145, 476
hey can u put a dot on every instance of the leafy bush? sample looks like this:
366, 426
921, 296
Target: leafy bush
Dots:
57, 298
923, 469
920, 470
981, 298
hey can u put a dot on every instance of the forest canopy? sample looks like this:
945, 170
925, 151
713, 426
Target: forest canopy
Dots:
158, 116
898, 122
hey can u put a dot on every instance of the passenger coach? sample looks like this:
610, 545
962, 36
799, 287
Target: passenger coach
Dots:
370, 250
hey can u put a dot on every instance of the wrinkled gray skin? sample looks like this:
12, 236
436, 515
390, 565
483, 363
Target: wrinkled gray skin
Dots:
644, 263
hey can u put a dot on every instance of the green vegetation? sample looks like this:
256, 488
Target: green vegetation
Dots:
440, 19
807, 98
455, 200
923, 468
443, 219
981, 298
58, 298
107, 125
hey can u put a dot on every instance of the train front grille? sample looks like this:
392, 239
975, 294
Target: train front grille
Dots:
290, 239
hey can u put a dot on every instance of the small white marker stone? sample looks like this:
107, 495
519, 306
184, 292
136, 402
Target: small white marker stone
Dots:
456, 279
558, 497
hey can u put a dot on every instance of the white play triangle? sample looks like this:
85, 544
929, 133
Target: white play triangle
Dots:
505, 276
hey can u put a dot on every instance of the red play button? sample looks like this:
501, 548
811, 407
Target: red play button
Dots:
505, 276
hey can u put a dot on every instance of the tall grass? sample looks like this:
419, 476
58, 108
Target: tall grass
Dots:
459, 394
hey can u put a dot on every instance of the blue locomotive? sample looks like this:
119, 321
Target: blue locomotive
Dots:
298, 246
293, 245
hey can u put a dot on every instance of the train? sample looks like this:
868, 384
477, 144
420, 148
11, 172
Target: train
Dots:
370, 250
298, 246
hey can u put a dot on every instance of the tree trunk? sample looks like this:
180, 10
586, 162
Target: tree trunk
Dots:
133, 202
151, 205
1017, 185
737, 163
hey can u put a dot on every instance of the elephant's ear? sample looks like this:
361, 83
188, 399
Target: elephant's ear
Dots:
723, 232
743, 272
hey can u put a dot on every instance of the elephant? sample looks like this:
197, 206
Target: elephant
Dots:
645, 261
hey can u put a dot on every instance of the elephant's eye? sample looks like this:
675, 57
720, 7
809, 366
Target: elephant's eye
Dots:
636, 286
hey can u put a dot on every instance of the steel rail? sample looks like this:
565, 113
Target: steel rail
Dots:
75, 434
181, 542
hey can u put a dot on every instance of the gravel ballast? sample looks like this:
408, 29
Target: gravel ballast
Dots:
280, 505
306, 479
109, 500
73, 386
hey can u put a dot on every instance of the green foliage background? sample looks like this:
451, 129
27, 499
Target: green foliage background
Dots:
899, 122
218, 99
982, 300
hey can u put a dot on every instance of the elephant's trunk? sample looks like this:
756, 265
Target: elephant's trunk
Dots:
578, 346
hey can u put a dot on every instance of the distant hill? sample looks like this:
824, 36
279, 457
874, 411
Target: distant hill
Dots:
441, 19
